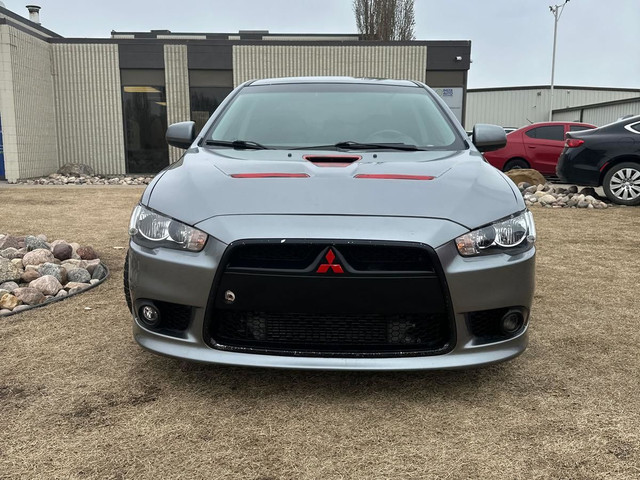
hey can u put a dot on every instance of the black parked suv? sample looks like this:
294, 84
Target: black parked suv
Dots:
608, 156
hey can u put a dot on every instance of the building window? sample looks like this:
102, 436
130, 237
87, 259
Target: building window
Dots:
145, 120
207, 89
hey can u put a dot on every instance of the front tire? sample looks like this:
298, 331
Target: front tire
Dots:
621, 184
515, 164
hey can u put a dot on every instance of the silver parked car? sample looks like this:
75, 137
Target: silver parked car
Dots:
332, 223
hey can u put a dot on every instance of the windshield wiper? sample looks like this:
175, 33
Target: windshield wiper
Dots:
238, 144
351, 145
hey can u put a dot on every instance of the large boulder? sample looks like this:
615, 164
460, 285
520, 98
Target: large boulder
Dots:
29, 295
57, 271
76, 169
33, 243
37, 257
78, 275
11, 241
99, 272
87, 253
62, 251
9, 271
528, 175
47, 284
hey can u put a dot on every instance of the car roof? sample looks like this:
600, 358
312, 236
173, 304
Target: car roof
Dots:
352, 80
556, 122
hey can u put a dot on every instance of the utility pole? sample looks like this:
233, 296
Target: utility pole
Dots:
557, 12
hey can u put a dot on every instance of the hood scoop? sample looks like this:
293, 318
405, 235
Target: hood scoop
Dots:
332, 160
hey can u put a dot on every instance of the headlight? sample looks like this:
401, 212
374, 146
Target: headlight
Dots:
512, 235
150, 229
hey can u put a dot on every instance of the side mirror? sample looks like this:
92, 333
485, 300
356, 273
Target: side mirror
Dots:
181, 135
487, 137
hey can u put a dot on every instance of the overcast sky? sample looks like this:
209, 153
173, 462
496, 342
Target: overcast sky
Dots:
598, 40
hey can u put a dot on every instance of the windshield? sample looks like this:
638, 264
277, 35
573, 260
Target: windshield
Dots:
323, 115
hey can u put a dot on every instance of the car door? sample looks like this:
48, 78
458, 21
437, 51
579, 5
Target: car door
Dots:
543, 146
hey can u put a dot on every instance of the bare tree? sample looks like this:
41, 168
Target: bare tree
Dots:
385, 19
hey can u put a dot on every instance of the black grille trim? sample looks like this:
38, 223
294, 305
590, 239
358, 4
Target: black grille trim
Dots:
304, 256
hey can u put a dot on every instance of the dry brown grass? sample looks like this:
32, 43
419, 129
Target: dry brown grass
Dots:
79, 399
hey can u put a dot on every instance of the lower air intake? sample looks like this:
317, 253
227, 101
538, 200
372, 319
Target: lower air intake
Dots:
332, 333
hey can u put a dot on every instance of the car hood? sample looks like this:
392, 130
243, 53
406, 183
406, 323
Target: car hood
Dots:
463, 189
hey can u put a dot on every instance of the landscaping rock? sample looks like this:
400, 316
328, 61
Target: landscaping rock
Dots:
3, 291
87, 253
20, 308
62, 293
33, 243
30, 275
79, 275
90, 265
9, 301
74, 254
99, 272
528, 175
8, 286
57, 271
4, 311
9, 253
62, 251
547, 199
9, 272
29, 295
10, 241
74, 287
37, 257
76, 169
48, 284
588, 191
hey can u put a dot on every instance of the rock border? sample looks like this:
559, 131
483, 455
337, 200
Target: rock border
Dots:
554, 196
59, 299
59, 179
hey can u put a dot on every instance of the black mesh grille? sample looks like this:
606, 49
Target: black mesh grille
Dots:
173, 316
274, 256
332, 332
485, 324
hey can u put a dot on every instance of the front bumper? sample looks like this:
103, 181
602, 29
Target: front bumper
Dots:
474, 284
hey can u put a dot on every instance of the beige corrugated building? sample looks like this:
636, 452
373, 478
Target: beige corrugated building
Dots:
520, 106
107, 102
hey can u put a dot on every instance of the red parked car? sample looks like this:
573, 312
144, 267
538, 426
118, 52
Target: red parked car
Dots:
535, 146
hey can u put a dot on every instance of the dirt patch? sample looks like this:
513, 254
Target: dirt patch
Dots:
79, 399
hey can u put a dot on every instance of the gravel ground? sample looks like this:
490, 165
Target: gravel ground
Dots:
79, 399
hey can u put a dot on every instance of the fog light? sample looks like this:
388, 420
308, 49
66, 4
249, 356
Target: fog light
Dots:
150, 315
512, 321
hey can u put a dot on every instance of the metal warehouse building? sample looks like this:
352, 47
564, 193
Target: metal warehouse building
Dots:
107, 102
519, 106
